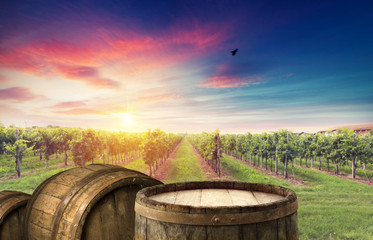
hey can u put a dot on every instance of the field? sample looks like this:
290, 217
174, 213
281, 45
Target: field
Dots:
329, 207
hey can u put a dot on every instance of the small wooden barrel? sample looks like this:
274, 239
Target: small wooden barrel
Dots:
92, 202
216, 210
12, 211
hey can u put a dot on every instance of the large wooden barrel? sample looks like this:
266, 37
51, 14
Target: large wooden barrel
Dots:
12, 211
92, 202
216, 210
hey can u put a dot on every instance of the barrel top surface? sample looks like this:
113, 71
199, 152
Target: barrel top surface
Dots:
216, 197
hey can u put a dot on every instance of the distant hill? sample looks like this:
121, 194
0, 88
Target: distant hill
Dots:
358, 129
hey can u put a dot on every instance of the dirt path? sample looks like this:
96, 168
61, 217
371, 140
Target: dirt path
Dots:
209, 172
162, 172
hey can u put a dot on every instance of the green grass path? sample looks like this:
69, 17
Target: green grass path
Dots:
185, 166
138, 165
329, 207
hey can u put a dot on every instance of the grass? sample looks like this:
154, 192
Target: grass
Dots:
244, 173
35, 173
29, 164
342, 169
138, 165
30, 182
185, 166
329, 207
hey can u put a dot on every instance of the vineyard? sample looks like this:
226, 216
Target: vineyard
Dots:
315, 166
341, 152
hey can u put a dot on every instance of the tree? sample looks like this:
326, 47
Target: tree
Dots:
47, 142
63, 138
150, 148
276, 142
84, 148
326, 147
287, 148
18, 150
336, 153
3, 140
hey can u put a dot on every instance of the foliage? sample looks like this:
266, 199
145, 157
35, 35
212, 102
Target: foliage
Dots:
156, 145
208, 145
337, 148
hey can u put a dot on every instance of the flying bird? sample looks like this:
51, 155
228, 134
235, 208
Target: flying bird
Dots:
234, 51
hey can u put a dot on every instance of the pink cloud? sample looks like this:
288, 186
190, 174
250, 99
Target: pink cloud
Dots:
17, 94
69, 104
82, 108
3, 79
100, 47
158, 98
6, 110
89, 75
227, 77
228, 82
81, 111
17, 58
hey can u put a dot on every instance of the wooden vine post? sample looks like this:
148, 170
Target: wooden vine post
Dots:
218, 152
286, 157
18, 167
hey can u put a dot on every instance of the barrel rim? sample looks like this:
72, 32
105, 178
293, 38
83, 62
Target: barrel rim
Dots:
144, 194
22, 200
186, 214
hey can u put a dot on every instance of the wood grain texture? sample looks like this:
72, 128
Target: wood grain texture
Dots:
216, 197
216, 210
12, 211
93, 202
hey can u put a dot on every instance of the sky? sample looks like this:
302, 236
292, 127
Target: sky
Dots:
133, 65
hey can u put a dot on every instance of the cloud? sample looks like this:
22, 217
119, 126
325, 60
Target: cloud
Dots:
288, 75
229, 77
228, 82
158, 98
95, 107
89, 75
3, 79
89, 50
17, 94
69, 104
82, 111
6, 110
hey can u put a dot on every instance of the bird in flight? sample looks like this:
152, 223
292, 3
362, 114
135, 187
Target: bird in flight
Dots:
234, 51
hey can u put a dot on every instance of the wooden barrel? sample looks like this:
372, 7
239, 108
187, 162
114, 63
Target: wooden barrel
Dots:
12, 211
216, 210
92, 202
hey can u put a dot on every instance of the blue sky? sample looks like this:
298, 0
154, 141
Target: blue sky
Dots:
134, 65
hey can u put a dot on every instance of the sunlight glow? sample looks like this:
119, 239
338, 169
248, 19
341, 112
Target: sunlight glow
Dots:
127, 119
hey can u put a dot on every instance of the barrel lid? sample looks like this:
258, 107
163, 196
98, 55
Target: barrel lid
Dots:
216, 197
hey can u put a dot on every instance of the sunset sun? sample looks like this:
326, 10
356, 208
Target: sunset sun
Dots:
127, 119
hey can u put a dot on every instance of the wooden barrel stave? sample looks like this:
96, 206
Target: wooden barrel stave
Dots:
64, 206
